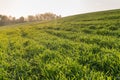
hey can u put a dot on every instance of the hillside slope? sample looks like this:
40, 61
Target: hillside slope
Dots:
79, 47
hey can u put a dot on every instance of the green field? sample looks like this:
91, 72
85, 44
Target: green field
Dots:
79, 47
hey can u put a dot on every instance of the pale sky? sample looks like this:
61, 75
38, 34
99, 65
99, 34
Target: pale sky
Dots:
19, 8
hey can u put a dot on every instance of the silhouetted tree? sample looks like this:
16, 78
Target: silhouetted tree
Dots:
4, 20
13, 20
21, 19
31, 18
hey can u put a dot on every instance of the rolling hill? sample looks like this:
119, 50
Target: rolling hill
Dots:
78, 47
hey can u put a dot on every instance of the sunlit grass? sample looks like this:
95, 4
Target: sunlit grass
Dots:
80, 47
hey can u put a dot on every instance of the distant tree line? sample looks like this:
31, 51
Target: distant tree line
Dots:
4, 20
